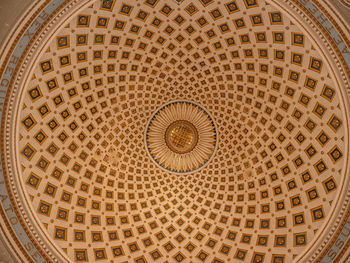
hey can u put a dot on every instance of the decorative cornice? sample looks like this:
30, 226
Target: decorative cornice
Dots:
331, 38
46, 18
346, 3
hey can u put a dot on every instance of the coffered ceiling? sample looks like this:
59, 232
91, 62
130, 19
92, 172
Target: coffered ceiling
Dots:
246, 170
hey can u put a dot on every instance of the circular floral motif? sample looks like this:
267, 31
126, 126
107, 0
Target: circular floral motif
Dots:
181, 137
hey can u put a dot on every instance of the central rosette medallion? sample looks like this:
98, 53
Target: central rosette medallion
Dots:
181, 137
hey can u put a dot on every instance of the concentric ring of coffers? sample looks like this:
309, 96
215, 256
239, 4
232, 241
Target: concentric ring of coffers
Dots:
277, 111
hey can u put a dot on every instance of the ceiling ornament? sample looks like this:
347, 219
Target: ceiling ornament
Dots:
181, 137
104, 79
79, 176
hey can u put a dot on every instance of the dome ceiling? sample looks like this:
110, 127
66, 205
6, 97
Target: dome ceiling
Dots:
130, 98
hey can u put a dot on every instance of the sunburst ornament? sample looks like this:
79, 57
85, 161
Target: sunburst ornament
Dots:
181, 137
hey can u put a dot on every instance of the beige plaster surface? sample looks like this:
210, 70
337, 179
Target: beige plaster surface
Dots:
10, 12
